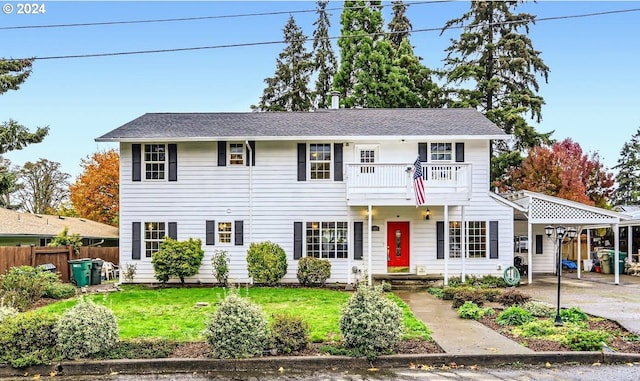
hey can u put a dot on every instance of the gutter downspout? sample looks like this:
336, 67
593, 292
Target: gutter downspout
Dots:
250, 162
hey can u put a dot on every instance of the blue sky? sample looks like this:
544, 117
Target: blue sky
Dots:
592, 94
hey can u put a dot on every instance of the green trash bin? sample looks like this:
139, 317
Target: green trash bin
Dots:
605, 263
622, 256
80, 271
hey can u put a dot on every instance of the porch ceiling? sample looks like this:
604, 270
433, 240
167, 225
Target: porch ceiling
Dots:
543, 209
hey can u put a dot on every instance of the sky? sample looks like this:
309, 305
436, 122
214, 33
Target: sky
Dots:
591, 95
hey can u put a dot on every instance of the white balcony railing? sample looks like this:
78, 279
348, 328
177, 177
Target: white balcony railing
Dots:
397, 179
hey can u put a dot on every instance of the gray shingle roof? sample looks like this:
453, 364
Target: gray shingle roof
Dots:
323, 123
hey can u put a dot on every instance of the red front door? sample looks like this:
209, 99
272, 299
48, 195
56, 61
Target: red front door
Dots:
398, 246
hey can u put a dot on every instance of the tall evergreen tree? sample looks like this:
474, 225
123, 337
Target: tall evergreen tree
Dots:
288, 89
495, 68
399, 26
628, 177
324, 59
13, 135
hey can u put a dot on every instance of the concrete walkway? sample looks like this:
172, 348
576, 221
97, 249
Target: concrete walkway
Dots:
596, 294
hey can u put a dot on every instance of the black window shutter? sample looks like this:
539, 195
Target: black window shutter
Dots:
422, 151
239, 233
135, 240
297, 240
251, 153
357, 240
302, 161
538, 243
493, 239
222, 153
440, 239
136, 159
337, 162
173, 162
210, 232
173, 230
459, 152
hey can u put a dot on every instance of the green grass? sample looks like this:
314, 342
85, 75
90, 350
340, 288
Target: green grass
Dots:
170, 313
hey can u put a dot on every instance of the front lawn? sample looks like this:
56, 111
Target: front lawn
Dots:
171, 313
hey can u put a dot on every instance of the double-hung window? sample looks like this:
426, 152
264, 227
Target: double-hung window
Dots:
225, 232
320, 161
367, 156
475, 237
441, 152
155, 159
236, 153
455, 240
327, 239
154, 233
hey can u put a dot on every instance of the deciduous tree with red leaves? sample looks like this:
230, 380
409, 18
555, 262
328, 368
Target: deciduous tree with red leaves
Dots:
563, 170
95, 194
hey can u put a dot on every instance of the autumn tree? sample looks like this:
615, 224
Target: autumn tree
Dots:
494, 67
562, 170
628, 177
324, 59
288, 89
95, 194
43, 187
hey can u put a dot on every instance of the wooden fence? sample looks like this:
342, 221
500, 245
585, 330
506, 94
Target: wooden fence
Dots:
11, 256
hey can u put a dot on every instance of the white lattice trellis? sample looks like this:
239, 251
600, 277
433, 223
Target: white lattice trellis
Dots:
547, 210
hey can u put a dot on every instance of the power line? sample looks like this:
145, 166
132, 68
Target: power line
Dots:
199, 17
135, 52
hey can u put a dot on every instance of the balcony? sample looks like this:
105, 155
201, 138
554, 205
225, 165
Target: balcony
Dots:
392, 184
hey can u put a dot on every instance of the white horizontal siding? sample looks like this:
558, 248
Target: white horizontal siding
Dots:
205, 191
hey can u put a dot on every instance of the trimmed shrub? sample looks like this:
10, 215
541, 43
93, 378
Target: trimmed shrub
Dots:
513, 297
539, 309
583, 340
313, 271
468, 295
289, 333
60, 291
85, 329
492, 281
27, 339
22, 286
491, 294
450, 291
514, 316
370, 323
238, 329
220, 263
178, 259
470, 310
266, 263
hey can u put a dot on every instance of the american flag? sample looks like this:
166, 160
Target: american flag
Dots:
418, 182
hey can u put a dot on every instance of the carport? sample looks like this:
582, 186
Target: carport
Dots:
534, 211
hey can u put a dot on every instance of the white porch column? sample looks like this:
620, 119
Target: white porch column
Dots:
446, 245
463, 240
616, 254
589, 243
529, 252
629, 242
369, 247
579, 236
350, 245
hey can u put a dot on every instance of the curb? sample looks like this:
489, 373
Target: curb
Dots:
311, 363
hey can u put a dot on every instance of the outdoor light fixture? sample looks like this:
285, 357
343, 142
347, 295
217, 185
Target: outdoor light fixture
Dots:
428, 214
561, 232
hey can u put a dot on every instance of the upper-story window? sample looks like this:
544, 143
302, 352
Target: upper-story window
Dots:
368, 155
441, 152
236, 153
320, 161
155, 159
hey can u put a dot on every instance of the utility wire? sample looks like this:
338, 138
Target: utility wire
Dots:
135, 52
200, 17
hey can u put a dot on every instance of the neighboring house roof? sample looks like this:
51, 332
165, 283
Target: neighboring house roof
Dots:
365, 123
14, 223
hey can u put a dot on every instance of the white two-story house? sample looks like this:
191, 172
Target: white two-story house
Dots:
335, 184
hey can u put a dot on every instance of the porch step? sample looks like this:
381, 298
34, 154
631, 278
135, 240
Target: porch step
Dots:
408, 281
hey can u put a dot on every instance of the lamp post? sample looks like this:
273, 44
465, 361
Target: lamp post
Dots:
560, 231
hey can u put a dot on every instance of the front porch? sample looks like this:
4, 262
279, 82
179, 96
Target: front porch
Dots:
409, 281
392, 184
